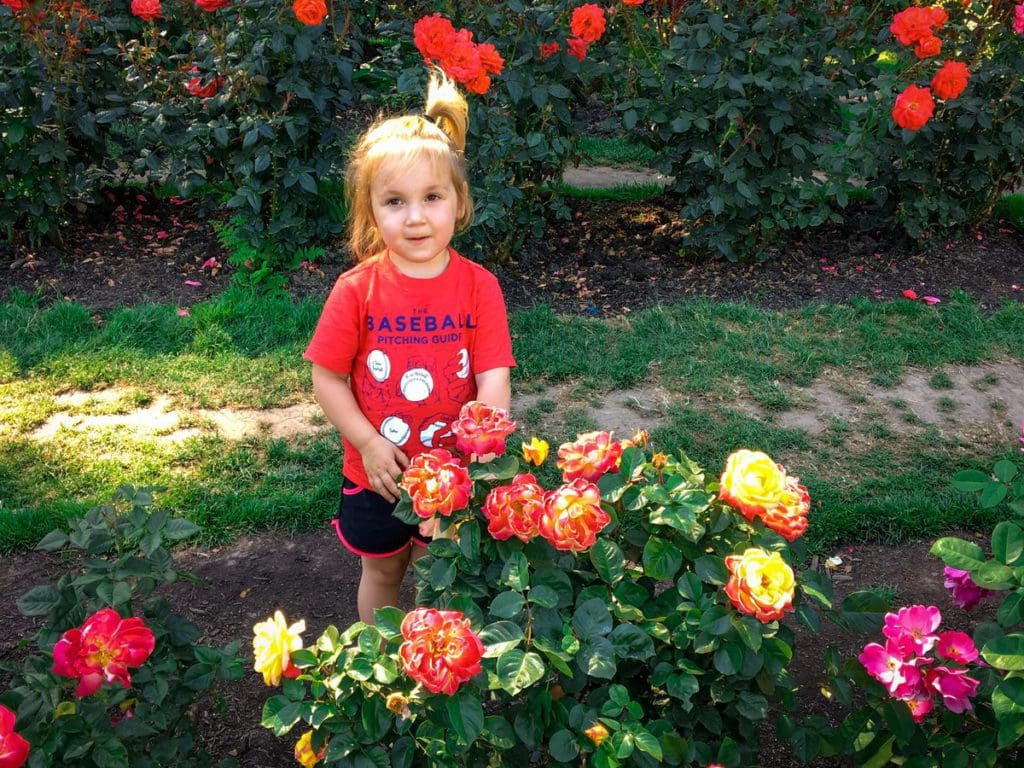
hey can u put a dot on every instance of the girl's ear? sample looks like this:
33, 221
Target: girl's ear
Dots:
463, 197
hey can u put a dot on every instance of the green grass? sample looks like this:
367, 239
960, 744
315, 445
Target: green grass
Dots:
616, 152
1010, 208
620, 193
868, 480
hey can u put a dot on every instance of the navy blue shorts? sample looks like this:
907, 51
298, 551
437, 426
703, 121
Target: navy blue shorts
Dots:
366, 526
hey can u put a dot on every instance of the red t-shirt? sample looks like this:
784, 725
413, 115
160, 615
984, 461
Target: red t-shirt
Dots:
412, 347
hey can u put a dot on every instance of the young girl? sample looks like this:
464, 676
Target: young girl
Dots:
408, 335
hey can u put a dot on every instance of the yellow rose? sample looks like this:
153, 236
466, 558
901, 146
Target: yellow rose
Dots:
761, 584
304, 751
753, 483
597, 733
536, 451
272, 646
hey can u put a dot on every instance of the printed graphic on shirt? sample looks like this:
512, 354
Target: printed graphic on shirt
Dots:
379, 364
395, 429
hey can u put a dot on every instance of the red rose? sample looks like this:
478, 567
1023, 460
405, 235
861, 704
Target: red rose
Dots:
577, 47
212, 5
482, 428
913, 23
147, 10
491, 60
196, 88
587, 23
928, 47
310, 12
461, 61
437, 484
549, 49
914, 107
440, 650
102, 650
591, 455
433, 36
14, 747
515, 510
951, 80
632, 2
573, 516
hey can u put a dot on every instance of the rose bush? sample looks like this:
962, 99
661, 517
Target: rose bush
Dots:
629, 616
117, 675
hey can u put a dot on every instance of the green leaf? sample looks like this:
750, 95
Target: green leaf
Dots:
507, 604
518, 670
563, 746
498, 731
179, 529
466, 715
596, 658
631, 642
499, 637
970, 480
53, 541
608, 560
1008, 698
729, 658
516, 572
1008, 543
543, 596
1011, 610
965, 555
280, 715
661, 558
711, 569
648, 742
389, 621
39, 601
992, 495
993, 575
1006, 652
592, 619
1005, 471
114, 593
403, 752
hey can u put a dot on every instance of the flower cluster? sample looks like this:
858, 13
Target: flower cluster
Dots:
909, 674
440, 650
917, 26
761, 584
14, 747
587, 25
482, 429
756, 486
962, 589
437, 484
102, 650
590, 456
272, 645
464, 61
310, 12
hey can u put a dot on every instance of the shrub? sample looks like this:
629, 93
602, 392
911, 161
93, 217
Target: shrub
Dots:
103, 689
627, 617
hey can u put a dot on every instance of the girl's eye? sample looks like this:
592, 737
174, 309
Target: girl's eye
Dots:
393, 201
433, 196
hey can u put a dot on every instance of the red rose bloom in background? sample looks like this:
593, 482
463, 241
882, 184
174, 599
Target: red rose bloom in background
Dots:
577, 47
196, 88
147, 10
591, 455
549, 49
433, 36
15, 5
515, 510
310, 12
212, 5
632, 2
927, 47
588, 23
951, 80
490, 59
482, 428
440, 651
914, 23
14, 747
102, 650
573, 516
437, 484
914, 107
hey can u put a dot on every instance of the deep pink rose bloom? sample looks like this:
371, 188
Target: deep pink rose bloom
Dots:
962, 589
916, 624
956, 646
955, 687
102, 650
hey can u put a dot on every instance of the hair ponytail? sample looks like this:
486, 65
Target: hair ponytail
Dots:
447, 108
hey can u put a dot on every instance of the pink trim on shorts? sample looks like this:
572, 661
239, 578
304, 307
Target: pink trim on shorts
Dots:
353, 490
337, 529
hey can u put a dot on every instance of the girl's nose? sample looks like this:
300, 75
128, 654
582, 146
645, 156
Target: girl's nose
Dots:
413, 213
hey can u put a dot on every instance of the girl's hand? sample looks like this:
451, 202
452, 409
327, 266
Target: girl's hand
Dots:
384, 463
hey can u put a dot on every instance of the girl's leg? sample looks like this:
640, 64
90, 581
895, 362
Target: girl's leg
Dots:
380, 581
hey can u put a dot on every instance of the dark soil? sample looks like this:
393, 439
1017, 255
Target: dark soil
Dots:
608, 259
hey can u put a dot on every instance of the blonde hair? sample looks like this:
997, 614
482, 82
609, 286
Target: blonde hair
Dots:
439, 133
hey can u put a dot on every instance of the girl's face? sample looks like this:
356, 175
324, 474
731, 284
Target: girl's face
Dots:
415, 210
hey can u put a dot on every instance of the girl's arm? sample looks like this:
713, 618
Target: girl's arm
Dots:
494, 387
382, 459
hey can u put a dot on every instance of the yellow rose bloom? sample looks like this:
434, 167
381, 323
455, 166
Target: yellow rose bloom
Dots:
272, 646
597, 733
761, 584
536, 451
753, 483
304, 751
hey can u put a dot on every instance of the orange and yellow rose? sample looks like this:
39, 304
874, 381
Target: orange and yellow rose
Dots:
536, 451
597, 733
482, 429
573, 516
590, 456
440, 650
272, 645
515, 509
304, 753
436, 483
761, 584
756, 486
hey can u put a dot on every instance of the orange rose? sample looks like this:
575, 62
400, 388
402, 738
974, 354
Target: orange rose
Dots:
491, 60
515, 510
304, 753
549, 49
951, 80
914, 23
577, 47
147, 10
440, 650
482, 428
461, 60
597, 733
914, 107
433, 36
592, 455
761, 584
573, 516
927, 47
436, 483
310, 12
588, 23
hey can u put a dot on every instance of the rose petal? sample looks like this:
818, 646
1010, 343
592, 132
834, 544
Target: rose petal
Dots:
930, 299
183, 312
910, 293
193, 283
